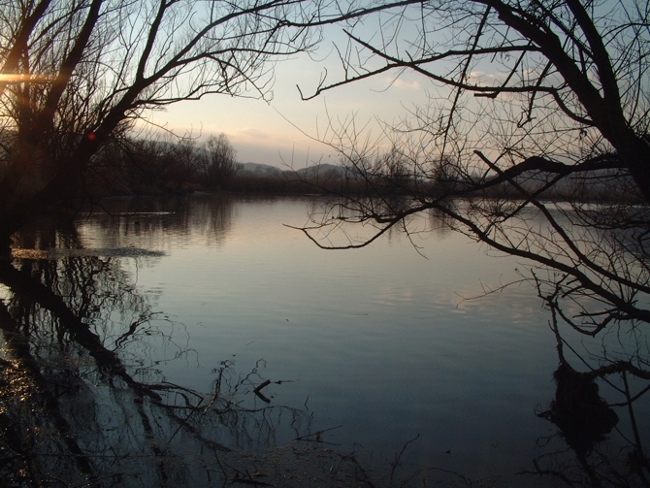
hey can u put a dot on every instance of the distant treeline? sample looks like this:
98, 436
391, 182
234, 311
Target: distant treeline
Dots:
128, 166
137, 166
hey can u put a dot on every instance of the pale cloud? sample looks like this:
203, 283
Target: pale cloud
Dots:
252, 133
401, 84
477, 76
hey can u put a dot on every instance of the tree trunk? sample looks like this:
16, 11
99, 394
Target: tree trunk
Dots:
634, 152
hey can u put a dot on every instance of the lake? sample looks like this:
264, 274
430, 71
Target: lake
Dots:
395, 352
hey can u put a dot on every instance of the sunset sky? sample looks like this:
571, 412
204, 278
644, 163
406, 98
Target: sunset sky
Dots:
264, 132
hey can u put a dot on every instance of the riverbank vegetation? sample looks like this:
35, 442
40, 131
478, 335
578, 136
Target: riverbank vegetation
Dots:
566, 121
76, 76
157, 167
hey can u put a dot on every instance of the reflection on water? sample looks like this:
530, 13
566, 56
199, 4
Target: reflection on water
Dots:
172, 341
84, 403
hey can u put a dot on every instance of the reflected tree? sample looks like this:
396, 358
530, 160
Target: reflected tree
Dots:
586, 422
83, 403
152, 218
534, 142
493, 152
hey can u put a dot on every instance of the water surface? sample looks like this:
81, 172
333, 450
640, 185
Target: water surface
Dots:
394, 344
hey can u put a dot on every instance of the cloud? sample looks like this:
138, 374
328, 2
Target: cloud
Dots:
401, 84
253, 133
477, 76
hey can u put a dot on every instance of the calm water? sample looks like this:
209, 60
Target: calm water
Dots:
381, 345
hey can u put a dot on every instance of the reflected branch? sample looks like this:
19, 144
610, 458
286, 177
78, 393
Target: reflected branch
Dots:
97, 423
585, 420
107, 361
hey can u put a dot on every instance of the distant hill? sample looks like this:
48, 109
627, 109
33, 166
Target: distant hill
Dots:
319, 171
327, 171
600, 183
256, 169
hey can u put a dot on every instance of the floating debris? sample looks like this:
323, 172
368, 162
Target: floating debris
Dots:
59, 253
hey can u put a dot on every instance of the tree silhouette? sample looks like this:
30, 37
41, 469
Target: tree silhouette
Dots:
532, 102
84, 402
535, 142
77, 74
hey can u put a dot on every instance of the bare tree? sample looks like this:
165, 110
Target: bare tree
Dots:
217, 163
94, 414
535, 142
573, 70
532, 101
129, 165
75, 74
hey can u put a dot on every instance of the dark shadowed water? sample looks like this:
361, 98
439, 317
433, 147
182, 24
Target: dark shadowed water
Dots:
385, 348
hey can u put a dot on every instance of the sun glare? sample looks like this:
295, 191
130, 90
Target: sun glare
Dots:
22, 78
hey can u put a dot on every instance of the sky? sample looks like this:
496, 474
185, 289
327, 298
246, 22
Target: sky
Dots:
283, 132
